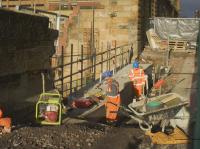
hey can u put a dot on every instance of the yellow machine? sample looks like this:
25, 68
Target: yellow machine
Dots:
49, 107
49, 104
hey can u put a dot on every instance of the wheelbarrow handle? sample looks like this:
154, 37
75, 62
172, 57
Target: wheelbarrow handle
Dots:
142, 123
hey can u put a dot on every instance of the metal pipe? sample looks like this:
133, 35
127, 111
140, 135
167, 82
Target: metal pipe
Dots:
101, 63
71, 69
122, 57
115, 55
34, 7
62, 73
81, 65
175, 18
43, 83
109, 55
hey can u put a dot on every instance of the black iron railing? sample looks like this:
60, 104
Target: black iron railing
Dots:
113, 58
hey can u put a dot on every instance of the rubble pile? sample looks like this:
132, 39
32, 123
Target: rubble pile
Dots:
55, 137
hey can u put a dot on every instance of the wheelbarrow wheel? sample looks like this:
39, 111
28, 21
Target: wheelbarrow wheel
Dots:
156, 128
168, 130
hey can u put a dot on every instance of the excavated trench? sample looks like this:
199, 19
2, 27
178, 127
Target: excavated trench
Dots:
93, 133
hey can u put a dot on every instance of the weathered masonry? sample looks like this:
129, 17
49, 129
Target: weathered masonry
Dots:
26, 45
122, 20
12, 4
100, 25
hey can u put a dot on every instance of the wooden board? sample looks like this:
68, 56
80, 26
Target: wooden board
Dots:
178, 137
178, 45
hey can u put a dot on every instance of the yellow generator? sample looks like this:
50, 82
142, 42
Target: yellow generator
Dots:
49, 107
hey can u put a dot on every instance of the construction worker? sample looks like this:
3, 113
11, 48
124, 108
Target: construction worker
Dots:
137, 76
5, 123
112, 100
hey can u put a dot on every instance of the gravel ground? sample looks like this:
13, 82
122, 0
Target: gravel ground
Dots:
73, 136
54, 137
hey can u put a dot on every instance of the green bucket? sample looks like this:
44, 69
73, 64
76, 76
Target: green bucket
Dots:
154, 105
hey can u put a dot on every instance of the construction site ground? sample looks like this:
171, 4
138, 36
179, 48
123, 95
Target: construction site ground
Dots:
83, 134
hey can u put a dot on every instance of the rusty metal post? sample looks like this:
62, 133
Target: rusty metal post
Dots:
71, 68
101, 62
107, 57
81, 66
127, 57
109, 50
122, 57
62, 72
94, 64
115, 55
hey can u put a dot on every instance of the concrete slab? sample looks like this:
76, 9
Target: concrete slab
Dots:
187, 86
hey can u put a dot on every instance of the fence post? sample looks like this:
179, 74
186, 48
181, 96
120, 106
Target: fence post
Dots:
62, 72
71, 69
122, 57
94, 64
107, 57
109, 50
101, 62
115, 55
81, 66
127, 57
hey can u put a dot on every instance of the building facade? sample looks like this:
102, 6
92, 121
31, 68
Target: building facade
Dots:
12, 4
124, 21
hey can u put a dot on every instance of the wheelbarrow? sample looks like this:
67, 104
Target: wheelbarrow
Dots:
156, 110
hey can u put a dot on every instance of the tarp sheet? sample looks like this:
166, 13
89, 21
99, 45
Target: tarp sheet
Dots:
176, 28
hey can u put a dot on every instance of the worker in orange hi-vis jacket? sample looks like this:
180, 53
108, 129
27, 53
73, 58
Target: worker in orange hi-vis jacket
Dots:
5, 123
137, 76
112, 100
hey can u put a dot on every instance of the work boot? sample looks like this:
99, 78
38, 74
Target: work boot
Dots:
141, 97
111, 123
6, 130
134, 100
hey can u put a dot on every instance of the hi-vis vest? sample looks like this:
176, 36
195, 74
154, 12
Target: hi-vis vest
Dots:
137, 76
112, 87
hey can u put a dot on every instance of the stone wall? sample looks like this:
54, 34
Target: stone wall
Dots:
26, 45
113, 21
123, 21
116, 21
